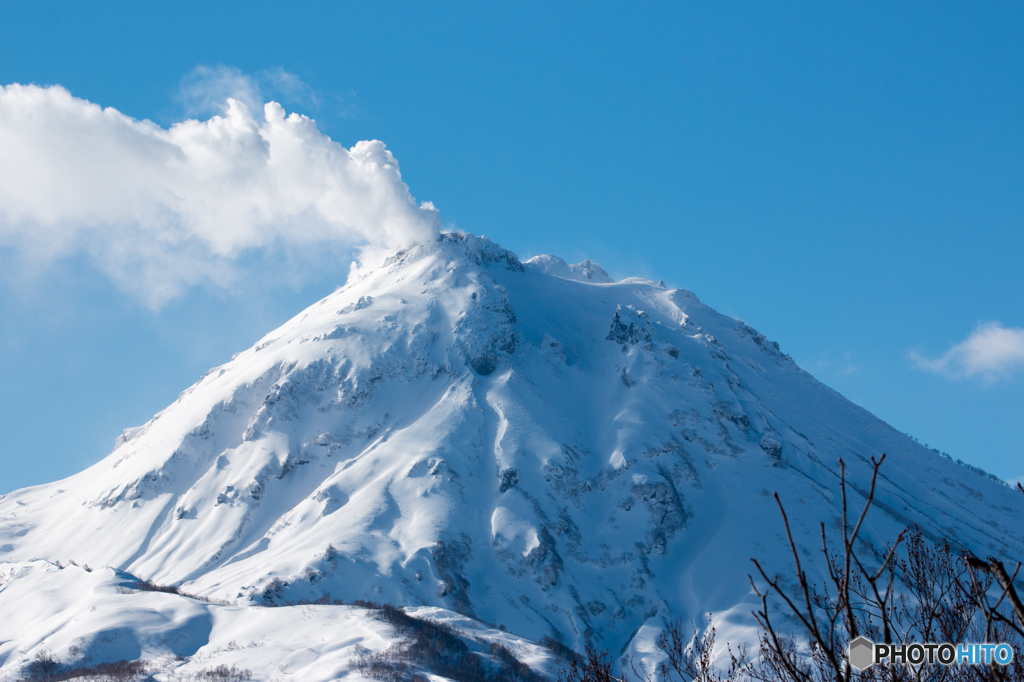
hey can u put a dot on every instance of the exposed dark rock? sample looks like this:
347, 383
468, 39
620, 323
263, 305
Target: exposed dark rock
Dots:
450, 558
484, 365
772, 447
668, 514
545, 560
629, 327
256, 490
508, 479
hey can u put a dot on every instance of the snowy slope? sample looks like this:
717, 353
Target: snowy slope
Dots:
88, 617
529, 444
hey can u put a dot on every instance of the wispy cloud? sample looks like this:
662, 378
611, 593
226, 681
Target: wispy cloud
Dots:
161, 209
206, 89
992, 351
828, 365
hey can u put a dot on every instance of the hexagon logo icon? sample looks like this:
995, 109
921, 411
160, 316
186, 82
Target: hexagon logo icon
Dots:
861, 653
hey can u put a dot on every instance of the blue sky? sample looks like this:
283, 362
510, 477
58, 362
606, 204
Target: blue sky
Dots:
847, 179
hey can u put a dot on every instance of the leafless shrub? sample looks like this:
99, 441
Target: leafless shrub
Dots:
44, 666
435, 647
559, 649
117, 671
146, 586
386, 665
223, 673
273, 591
512, 667
592, 666
918, 593
690, 659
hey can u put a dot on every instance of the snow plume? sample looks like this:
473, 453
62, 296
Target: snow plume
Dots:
992, 351
159, 210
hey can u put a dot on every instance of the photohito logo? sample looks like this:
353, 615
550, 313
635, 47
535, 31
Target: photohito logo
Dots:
863, 653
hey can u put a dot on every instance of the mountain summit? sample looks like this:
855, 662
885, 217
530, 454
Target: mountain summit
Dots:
529, 444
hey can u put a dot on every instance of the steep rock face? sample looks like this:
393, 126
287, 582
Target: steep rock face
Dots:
532, 445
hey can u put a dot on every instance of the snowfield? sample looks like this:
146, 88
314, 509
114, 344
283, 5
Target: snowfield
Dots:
96, 616
493, 442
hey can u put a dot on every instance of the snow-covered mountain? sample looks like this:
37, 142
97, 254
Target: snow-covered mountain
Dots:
529, 444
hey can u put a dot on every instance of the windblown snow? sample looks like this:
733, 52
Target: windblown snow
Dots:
494, 442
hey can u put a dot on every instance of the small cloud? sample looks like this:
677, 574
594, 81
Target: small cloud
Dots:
206, 90
288, 86
992, 351
826, 364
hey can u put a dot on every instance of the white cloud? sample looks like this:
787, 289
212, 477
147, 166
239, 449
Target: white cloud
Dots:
992, 351
206, 89
159, 210
289, 85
